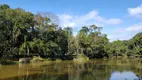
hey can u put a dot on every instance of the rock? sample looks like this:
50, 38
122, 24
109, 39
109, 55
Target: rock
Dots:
24, 60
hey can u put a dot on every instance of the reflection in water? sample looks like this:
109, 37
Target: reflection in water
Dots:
126, 75
92, 70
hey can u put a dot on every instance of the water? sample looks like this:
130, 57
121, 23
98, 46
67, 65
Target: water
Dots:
69, 70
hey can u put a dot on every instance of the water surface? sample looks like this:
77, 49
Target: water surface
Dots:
69, 70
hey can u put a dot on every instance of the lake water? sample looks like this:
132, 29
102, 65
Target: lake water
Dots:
69, 70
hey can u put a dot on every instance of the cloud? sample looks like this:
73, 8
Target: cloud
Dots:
92, 17
125, 33
120, 36
113, 21
136, 12
66, 20
135, 28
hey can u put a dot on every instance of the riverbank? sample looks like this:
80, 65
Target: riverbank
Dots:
8, 62
38, 60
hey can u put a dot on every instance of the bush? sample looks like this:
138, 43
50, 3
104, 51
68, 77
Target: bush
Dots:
7, 62
81, 58
58, 60
37, 59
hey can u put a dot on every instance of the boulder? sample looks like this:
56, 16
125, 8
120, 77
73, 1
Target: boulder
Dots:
24, 60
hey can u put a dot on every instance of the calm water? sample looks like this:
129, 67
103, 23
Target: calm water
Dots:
69, 70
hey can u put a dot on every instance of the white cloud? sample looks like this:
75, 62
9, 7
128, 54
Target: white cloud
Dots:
120, 36
137, 12
125, 33
113, 21
66, 20
134, 28
85, 20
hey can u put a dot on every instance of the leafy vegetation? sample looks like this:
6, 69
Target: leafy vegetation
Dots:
24, 34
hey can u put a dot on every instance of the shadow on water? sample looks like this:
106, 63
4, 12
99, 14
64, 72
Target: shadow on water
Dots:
68, 70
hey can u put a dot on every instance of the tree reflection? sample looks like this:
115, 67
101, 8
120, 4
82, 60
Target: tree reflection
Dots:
92, 70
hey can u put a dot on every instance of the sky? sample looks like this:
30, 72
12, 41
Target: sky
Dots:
120, 19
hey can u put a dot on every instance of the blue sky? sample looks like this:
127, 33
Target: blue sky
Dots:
120, 19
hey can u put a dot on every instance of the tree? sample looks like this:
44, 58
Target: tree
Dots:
36, 34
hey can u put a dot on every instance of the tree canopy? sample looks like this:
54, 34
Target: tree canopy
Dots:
24, 34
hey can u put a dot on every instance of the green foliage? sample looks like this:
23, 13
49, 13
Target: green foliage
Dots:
81, 58
135, 44
4, 6
25, 34
91, 42
37, 59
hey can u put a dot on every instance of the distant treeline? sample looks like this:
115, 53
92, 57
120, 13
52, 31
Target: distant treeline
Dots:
26, 34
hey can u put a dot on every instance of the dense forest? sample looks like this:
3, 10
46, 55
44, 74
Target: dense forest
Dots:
24, 34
